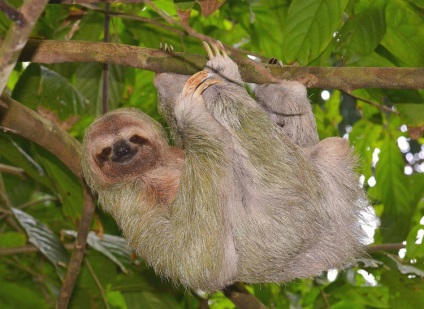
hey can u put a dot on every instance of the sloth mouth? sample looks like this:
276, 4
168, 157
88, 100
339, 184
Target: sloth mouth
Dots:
123, 152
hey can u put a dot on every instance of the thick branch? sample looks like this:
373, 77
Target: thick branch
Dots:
29, 124
17, 36
344, 78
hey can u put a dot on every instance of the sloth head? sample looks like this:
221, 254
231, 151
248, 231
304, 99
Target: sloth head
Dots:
120, 146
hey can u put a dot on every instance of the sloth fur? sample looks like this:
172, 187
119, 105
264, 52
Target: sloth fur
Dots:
252, 197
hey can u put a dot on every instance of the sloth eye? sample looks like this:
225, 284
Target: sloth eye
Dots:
136, 139
105, 153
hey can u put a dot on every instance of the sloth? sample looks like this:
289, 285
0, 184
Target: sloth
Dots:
250, 195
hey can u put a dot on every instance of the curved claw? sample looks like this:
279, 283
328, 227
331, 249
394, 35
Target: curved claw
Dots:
198, 83
217, 47
204, 85
193, 82
208, 50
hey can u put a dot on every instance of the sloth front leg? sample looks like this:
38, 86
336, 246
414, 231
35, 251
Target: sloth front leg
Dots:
204, 206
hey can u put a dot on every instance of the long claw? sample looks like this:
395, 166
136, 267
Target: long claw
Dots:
193, 82
222, 48
203, 86
208, 50
216, 49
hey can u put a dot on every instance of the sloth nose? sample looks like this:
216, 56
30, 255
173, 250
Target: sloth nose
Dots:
122, 151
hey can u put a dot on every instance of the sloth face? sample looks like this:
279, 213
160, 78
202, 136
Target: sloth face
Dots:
121, 146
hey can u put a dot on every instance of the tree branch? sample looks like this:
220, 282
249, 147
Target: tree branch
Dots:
385, 247
17, 36
29, 124
344, 78
33, 127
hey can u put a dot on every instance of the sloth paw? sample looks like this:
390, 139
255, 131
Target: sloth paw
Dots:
220, 64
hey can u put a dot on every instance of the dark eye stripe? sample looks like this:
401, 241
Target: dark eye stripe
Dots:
104, 155
136, 139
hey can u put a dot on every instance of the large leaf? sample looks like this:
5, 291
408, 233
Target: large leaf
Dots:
39, 85
64, 182
13, 152
328, 116
264, 23
405, 291
363, 31
405, 32
44, 239
412, 114
17, 296
364, 137
310, 27
394, 193
90, 82
376, 297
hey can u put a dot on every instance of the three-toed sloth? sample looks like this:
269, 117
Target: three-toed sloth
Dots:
252, 196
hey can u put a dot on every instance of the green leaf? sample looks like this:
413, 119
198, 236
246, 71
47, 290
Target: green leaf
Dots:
144, 94
148, 300
39, 85
328, 116
393, 189
264, 23
17, 296
412, 114
89, 81
376, 297
364, 137
44, 239
415, 250
13, 152
64, 182
405, 32
363, 31
310, 27
12, 239
116, 299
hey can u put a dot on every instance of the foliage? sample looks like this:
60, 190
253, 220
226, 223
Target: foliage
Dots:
46, 198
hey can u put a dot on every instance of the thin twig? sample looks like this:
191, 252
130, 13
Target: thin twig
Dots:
385, 247
13, 170
324, 297
97, 281
26, 249
379, 106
